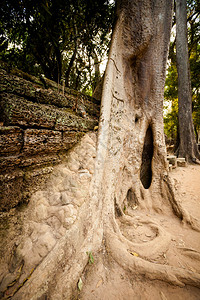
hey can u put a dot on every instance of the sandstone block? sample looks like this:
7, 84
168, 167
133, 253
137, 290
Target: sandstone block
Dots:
18, 111
172, 160
11, 140
10, 162
42, 140
181, 162
11, 189
39, 161
70, 138
67, 121
33, 89
170, 167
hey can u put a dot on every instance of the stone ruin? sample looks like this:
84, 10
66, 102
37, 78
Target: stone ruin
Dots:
39, 123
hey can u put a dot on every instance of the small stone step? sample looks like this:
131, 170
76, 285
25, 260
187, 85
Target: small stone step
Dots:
181, 162
170, 167
172, 160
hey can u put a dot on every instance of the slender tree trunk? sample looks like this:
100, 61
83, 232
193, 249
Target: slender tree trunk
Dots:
187, 145
96, 70
67, 73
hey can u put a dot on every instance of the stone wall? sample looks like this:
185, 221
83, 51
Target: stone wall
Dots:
38, 124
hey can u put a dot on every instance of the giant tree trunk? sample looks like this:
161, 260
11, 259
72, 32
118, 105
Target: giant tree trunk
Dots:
187, 143
129, 171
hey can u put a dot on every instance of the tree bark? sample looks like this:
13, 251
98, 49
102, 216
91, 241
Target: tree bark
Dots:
67, 73
187, 143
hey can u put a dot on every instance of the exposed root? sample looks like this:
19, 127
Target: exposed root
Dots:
178, 209
158, 244
195, 161
137, 265
192, 253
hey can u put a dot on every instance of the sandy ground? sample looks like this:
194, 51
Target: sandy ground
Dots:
106, 280
188, 187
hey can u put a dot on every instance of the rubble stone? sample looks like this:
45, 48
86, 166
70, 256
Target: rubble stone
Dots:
172, 160
181, 162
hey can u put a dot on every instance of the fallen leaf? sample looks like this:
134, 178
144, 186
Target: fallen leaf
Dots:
80, 284
99, 283
134, 253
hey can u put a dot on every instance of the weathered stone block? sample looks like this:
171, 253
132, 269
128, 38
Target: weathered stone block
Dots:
42, 140
9, 162
11, 140
16, 85
16, 186
70, 138
172, 160
11, 189
68, 121
18, 111
181, 162
36, 177
35, 92
40, 160
169, 166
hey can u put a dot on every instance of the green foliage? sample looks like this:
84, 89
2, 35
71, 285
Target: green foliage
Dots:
171, 84
171, 121
124, 209
58, 38
90, 257
171, 103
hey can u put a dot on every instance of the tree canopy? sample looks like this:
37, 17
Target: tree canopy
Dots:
60, 39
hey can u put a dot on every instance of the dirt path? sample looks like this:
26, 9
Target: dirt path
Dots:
106, 280
188, 187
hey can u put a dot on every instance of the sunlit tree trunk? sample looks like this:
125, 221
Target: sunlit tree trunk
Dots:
187, 143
